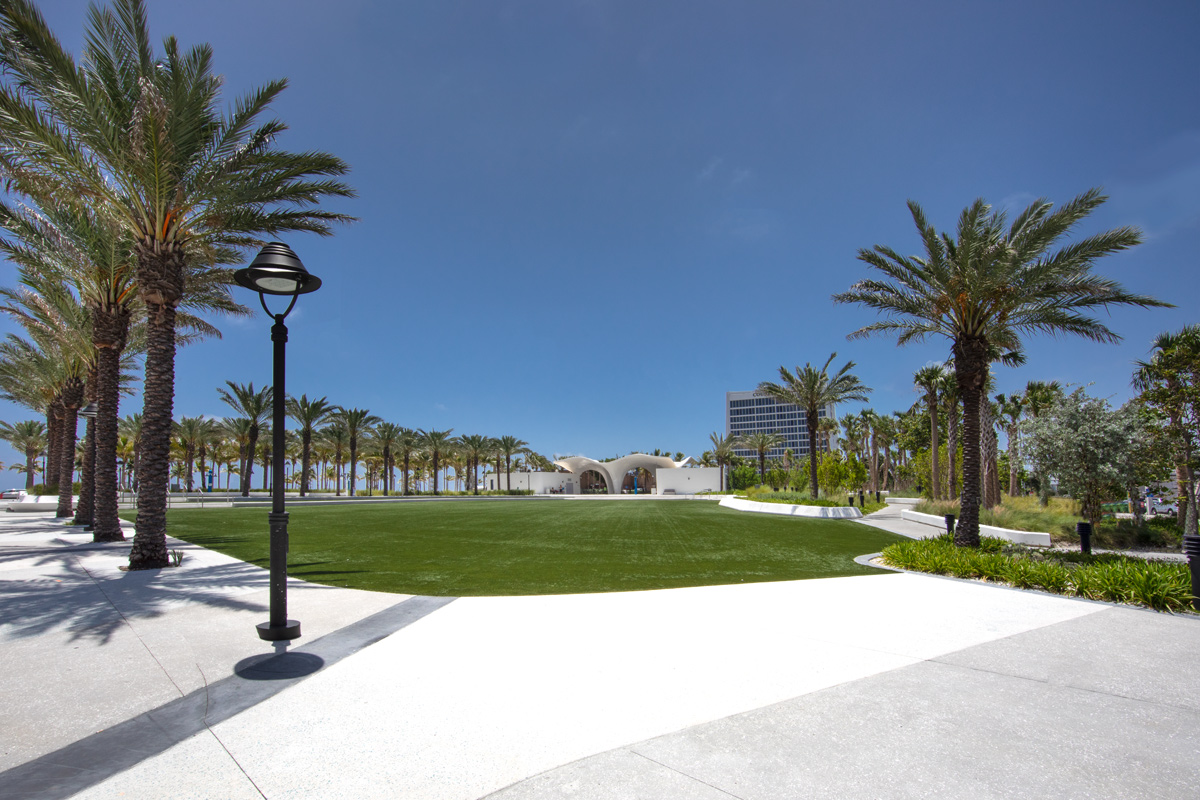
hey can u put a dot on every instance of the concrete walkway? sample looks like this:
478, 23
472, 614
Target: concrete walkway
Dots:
154, 684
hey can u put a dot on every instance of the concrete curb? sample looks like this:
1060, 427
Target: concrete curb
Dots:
821, 512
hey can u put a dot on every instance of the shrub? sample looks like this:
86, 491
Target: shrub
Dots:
1161, 585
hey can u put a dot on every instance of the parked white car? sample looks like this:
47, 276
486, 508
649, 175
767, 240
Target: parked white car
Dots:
1156, 506
12, 494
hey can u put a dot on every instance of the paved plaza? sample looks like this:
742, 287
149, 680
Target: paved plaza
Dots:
154, 684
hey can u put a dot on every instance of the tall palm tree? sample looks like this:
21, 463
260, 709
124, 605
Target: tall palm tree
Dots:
255, 406
509, 446
929, 379
435, 444
812, 390
191, 432
1012, 408
986, 288
761, 442
145, 138
385, 436
475, 447
308, 414
338, 437
407, 443
722, 452
358, 423
29, 438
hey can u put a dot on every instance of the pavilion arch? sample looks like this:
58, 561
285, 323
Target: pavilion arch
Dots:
613, 472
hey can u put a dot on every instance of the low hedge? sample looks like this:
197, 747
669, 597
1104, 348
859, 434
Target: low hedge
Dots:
1161, 585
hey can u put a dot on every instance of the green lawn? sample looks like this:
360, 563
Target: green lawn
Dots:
517, 547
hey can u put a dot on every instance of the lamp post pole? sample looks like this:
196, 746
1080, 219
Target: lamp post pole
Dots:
277, 270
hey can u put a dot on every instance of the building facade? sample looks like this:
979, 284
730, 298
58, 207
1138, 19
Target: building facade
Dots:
753, 412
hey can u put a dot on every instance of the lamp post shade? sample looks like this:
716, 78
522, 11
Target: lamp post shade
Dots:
277, 270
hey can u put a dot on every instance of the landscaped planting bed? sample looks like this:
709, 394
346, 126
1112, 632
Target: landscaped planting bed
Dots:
1161, 585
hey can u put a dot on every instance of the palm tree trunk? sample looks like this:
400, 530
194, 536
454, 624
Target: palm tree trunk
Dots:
353, 464
970, 366
248, 464
72, 399
31, 455
811, 419
936, 473
1014, 452
154, 463
86, 510
54, 423
435, 471
951, 492
406, 455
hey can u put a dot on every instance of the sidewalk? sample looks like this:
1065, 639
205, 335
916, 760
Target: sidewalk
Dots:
154, 684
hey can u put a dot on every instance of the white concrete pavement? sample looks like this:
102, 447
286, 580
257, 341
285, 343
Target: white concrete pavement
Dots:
887, 685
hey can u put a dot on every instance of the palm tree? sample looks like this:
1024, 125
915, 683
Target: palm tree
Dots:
435, 443
144, 138
385, 438
475, 447
254, 406
984, 289
407, 442
722, 451
308, 414
929, 378
761, 442
191, 432
1012, 408
509, 446
358, 422
812, 390
1039, 397
338, 437
28, 437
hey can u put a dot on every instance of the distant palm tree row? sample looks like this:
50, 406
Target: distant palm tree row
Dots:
131, 188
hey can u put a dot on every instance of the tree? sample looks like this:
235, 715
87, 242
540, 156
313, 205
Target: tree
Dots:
929, 379
1012, 408
28, 438
722, 452
436, 443
1089, 447
475, 447
384, 438
255, 406
143, 138
1169, 382
358, 422
986, 288
407, 442
761, 442
336, 434
1040, 396
308, 414
812, 390
509, 446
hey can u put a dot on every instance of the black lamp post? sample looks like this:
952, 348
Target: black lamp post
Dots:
277, 270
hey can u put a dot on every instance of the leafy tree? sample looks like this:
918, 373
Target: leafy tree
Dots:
1089, 447
1169, 382
984, 289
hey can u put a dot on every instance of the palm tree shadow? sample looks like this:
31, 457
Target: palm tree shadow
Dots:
93, 604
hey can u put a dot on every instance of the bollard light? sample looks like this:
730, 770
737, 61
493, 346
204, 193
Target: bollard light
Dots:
1084, 529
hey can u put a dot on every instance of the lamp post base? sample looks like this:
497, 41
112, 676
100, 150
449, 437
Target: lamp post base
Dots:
279, 633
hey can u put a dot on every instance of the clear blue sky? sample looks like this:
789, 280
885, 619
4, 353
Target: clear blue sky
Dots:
581, 223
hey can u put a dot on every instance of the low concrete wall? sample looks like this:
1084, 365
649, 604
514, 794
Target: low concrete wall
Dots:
36, 503
687, 481
1020, 537
823, 512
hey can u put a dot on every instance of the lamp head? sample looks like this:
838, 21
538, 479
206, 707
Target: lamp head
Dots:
277, 270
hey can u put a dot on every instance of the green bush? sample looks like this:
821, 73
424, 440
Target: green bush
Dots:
40, 489
1161, 585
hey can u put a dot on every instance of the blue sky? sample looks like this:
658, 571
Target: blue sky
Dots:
581, 223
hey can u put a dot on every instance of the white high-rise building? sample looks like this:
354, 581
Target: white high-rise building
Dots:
753, 412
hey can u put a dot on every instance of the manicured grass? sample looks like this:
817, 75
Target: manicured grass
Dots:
520, 547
